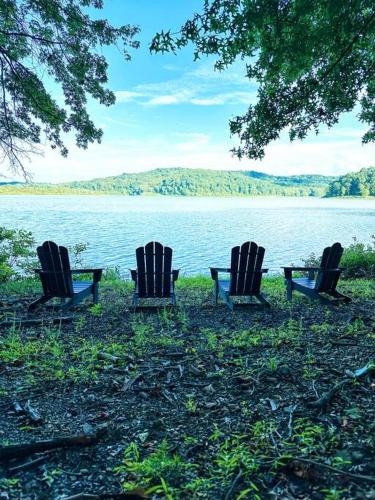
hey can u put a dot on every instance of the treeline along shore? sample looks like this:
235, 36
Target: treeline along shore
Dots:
201, 182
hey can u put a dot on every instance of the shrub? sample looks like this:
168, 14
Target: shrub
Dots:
16, 253
358, 260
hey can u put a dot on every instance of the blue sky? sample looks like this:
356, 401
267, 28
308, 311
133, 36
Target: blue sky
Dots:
174, 112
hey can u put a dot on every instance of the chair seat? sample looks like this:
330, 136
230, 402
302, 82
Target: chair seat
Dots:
306, 282
79, 286
225, 286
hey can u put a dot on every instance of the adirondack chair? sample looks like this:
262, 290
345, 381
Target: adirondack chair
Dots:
245, 276
154, 277
57, 281
322, 279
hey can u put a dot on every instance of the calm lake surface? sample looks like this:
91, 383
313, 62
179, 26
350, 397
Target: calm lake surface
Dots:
201, 231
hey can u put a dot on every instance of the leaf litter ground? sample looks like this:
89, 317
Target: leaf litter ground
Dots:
196, 402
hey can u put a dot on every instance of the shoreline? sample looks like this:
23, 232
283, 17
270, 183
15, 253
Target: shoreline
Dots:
157, 195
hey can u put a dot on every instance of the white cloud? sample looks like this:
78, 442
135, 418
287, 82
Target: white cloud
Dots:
344, 132
327, 158
198, 150
201, 87
126, 95
163, 100
229, 97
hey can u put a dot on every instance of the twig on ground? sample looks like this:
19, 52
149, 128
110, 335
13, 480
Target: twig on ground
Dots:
23, 450
108, 357
34, 322
361, 477
326, 398
314, 389
27, 465
232, 487
290, 421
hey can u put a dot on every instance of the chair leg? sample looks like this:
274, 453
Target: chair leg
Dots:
68, 304
323, 300
289, 290
340, 296
135, 300
41, 300
229, 302
95, 293
216, 292
262, 299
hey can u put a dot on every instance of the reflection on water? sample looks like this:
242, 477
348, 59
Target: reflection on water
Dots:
201, 231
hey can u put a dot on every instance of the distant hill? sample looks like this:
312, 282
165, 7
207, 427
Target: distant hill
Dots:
360, 183
187, 182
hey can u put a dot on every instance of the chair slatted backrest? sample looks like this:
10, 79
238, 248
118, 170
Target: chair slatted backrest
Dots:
327, 280
56, 278
154, 269
246, 259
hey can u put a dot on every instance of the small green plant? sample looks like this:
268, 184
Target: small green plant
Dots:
182, 320
76, 253
333, 493
273, 364
166, 318
307, 435
156, 471
210, 337
79, 323
96, 310
216, 433
190, 440
142, 332
323, 328
340, 462
10, 483
356, 327
50, 476
191, 405
112, 274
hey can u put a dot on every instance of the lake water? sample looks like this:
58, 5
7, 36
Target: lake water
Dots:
201, 231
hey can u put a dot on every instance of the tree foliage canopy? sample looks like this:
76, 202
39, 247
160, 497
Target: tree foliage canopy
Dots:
313, 60
186, 182
360, 183
42, 41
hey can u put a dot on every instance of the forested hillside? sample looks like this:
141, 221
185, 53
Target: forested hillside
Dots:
360, 183
188, 182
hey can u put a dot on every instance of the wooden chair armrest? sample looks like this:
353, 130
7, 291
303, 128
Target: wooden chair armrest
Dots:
133, 273
315, 269
175, 274
216, 270
288, 271
40, 271
295, 268
85, 271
